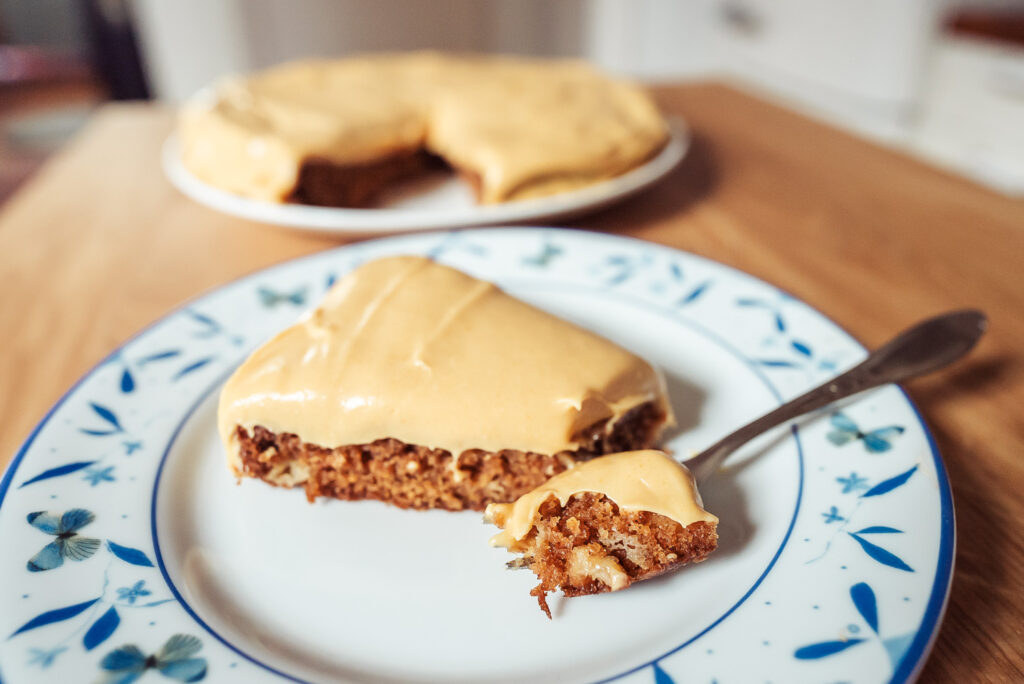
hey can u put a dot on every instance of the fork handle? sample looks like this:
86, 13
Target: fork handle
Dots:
926, 347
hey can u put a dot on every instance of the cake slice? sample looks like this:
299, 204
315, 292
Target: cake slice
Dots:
605, 524
416, 384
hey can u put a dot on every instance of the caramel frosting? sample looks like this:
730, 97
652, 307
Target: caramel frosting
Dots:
406, 348
522, 127
635, 480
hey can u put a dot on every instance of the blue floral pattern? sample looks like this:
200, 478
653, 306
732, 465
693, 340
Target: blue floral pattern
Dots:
855, 549
133, 593
852, 483
44, 657
863, 598
96, 475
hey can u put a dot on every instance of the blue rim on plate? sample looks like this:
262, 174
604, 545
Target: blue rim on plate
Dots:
912, 656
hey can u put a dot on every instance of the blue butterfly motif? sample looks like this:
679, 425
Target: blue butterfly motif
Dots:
270, 298
875, 441
174, 660
69, 544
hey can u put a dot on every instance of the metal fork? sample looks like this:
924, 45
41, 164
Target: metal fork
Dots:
926, 347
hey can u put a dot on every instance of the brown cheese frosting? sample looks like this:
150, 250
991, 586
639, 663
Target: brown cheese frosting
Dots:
521, 127
409, 349
635, 480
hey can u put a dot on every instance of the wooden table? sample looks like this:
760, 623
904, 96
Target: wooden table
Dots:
99, 244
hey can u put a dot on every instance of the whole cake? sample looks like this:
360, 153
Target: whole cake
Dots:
605, 524
336, 132
416, 384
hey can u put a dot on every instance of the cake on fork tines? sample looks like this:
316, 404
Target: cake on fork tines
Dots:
606, 524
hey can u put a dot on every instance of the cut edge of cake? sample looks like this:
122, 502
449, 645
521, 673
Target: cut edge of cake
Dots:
418, 477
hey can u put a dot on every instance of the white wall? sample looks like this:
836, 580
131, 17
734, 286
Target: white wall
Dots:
859, 59
872, 66
190, 43
187, 44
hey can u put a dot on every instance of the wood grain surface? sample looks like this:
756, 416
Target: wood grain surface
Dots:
98, 244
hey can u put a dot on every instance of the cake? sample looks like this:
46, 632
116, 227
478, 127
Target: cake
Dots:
418, 385
606, 524
337, 132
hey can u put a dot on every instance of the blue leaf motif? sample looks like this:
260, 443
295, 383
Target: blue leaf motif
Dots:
58, 471
881, 555
662, 677
746, 302
44, 657
192, 367
775, 363
621, 277
780, 324
203, 318
864, 599
98, 433
890, 484
879, 529
51, 616
695, 293
101, 630
159, 356
129, 555
127, 381
107, 415
824, 648
801, 348
677, 274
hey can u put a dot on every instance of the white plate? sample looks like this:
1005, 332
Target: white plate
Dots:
835, 555
439, 201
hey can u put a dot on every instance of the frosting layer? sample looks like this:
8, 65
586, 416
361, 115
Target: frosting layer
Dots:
523, 127
635, 480
406, 348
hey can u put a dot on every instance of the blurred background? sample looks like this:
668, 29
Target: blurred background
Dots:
940, 79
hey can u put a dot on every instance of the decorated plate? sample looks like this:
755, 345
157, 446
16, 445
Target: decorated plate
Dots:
130, 552
437, 201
